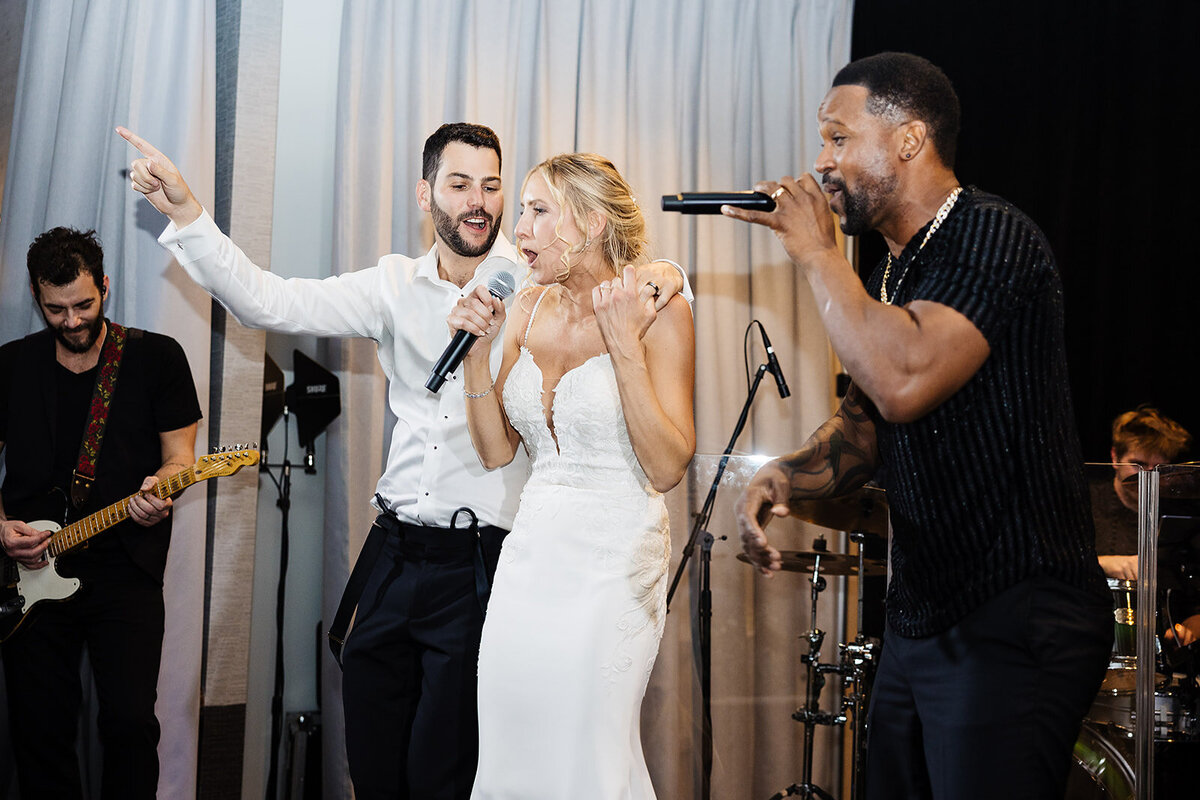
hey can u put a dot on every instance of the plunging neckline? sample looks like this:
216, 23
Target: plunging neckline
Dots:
549, 422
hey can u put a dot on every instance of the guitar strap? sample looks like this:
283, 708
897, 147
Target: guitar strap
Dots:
93, 437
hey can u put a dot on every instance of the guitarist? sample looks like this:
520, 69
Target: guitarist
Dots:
56, 388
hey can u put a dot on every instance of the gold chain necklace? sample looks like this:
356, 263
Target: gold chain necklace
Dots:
938, 219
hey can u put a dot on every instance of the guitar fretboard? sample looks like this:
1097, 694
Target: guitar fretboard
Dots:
79, 532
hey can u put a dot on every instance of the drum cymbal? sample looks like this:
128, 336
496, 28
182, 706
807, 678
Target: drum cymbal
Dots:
831, 563
1181, 481
863, 510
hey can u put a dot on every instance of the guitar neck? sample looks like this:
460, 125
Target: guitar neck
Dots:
75, 534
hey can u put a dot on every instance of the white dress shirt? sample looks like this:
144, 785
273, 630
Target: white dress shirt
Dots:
401, 304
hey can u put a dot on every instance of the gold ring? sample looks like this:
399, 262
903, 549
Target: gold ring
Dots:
775, 194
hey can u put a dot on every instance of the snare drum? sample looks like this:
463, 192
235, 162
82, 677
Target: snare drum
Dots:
1102, 767
1173, 718
1099, 769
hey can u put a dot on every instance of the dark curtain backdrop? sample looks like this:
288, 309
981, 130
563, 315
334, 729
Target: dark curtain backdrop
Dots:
1083, 115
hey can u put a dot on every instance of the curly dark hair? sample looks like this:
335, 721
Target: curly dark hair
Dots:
904, 85
60, 255
465, 132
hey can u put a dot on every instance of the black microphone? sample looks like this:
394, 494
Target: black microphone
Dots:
711, 202
501, 285
773, 364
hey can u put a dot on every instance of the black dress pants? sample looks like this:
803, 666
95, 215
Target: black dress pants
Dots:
118, 614
990, 708
410, 664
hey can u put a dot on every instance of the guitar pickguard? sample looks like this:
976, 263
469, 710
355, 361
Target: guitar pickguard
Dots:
34, 586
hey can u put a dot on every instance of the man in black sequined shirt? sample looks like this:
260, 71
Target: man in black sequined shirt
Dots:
998, 619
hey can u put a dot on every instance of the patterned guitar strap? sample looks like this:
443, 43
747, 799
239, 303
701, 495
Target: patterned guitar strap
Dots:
93, 436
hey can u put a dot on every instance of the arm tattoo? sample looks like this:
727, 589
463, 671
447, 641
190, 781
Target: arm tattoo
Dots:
839, 457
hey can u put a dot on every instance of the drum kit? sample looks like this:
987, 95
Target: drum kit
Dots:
1103, 756
863, 515
1102, 765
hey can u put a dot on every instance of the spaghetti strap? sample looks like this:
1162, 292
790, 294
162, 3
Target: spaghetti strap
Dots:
532, 314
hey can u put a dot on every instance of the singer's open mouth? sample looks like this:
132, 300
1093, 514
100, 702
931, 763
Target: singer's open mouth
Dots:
833, 192
530, 256
476, 223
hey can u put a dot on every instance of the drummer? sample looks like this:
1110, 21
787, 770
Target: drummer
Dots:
1142, 439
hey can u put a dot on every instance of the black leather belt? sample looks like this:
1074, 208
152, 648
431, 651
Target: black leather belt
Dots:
418, 543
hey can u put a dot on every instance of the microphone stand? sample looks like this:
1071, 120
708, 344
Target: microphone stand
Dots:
283, 485
704, 604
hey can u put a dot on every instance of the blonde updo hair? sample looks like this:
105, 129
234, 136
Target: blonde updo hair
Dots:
584, 183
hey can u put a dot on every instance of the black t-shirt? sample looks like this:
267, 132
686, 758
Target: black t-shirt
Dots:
1116, 525
43, 411
987, 489
1178, 556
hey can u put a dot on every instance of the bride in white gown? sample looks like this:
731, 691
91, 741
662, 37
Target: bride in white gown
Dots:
597, 385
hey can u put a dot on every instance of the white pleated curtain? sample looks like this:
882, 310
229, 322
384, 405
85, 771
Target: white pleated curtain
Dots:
682, 96
87, 66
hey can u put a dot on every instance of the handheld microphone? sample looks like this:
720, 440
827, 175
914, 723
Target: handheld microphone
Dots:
711, 202
500, 285
773, 364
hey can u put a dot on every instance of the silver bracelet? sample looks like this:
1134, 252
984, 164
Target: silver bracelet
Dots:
477, 395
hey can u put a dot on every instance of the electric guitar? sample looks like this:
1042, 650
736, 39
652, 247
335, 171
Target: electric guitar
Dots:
24, 589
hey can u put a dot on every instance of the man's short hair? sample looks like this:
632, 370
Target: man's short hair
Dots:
904, 86
465, 132
1150, 431
60, 255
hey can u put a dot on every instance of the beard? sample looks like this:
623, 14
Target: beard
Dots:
447, 228
91, 334
861, 205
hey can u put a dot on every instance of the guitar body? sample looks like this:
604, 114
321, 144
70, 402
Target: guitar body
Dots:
22, 589
34, 586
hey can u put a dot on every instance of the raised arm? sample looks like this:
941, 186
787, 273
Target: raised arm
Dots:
653, 356
839, 457
909, 359
341, 305
483, 315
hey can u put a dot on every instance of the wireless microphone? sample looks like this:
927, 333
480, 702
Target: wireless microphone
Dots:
711, 202
500, 285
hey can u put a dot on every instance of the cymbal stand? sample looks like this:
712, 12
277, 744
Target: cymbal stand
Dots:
857, 660
811, 715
